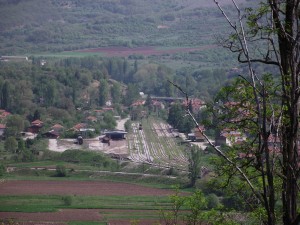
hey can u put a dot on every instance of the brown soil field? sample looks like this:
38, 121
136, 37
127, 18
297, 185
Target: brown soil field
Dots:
64, 216
86, 188
60, 216
146, 51
67, 215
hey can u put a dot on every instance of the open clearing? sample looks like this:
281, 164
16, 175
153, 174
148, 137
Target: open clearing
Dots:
145, 51
157, 144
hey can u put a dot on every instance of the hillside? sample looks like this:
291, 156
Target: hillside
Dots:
31, 26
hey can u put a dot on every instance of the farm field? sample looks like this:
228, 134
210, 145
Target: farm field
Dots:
145, 51
93, 201
67, 202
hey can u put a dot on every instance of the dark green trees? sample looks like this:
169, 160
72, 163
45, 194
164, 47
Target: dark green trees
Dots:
178, 119
103, 92
267, 105
194, 164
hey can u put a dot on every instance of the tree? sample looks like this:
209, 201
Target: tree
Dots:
194, 164
2, 169
15, 124
176, 113
36, 115
103, 92
5, 95
178, 119
50, 93
11, 144
61, 171
196, 203
116, 93
132, 94
266, 106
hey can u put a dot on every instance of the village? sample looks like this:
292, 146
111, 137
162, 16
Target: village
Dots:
147, 140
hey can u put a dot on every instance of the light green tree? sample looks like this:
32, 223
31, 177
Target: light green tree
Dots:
11, 144
103, 92
194, 164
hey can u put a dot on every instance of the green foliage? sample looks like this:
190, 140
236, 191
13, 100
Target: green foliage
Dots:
178, 120
92, 158
127, 126
109, 122
15, 124
103, 92
173, 216
194, 164
2, 169
26, 155
116, 93
213, 201
196, 203
61, 171
132, 94
68, 200
193, 209
11, 144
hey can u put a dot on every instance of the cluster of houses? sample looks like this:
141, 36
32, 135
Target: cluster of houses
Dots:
227, 137
37, 126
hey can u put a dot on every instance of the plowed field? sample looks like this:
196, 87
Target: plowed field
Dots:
88, 188
78, 188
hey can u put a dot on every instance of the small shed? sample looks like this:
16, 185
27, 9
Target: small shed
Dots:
51, 134
192, 137
116, 134
35, 126
2, 129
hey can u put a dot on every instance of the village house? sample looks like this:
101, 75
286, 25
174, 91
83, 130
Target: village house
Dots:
157, 105
55, 132
57, 128
35, 126
4, 114
51, 134
195, 103
229, 137
79, 126
196, 135
115, 134
138, 103
91, 119
2, 129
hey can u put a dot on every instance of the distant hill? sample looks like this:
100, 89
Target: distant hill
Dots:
30, 26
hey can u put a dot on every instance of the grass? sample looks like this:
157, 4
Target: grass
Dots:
67, 54
52, 203
30, 204
87, 223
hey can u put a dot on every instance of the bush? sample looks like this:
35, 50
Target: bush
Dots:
61, 171
212, 201
2, 170
68, 200
172, 172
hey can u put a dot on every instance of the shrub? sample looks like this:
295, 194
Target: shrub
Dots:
2, 170
68, 200
61, 171
212, 201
